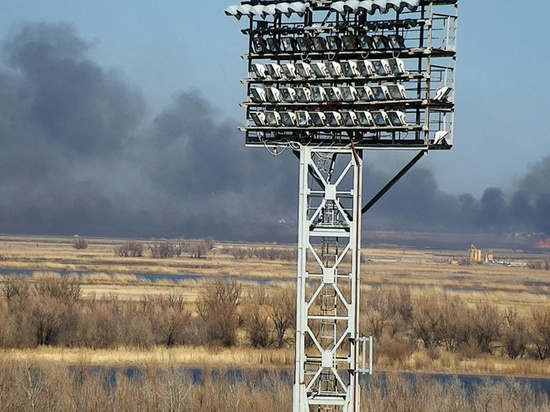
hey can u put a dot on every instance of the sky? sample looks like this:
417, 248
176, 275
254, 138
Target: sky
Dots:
120, 119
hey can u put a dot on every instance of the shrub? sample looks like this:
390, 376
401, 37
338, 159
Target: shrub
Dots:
80, 242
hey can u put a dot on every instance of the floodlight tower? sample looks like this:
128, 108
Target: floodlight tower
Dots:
330, 80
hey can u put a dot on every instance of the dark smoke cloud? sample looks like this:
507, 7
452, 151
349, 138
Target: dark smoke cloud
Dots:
78, 157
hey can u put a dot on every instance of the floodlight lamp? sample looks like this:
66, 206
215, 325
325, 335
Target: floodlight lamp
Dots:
259, 70
257, 94
412, 5
274, 70
288, 44
334, 69
319, 44
288, 119
320, 70
380, 42
318, 119
381, 118
273, 95
272, 118
258, 118
318, 94
288, 93
303, 44
443, 137
333, 119
349, 94
289, 70
349, 118
303, 118
334, 43
365, 42
334, 94
350, 69
380, 92
366, 68
397, 66
349, 43
303, 94
397, 5
364, 118
272, 45
365, 93
397, 91
397, 118
396, 41
381, 67
381, 5
304, 70
259, 45
442, 94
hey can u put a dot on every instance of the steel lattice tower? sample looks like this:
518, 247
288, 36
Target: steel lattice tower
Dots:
330, 80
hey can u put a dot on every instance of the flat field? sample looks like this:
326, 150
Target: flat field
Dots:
513, 283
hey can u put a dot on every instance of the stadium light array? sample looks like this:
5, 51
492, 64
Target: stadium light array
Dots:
391, 60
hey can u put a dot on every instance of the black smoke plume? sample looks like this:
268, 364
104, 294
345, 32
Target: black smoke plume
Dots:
77, 156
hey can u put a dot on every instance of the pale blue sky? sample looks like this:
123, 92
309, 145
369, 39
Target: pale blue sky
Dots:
164, 48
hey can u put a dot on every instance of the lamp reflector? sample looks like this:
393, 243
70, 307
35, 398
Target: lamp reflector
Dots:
319, 44
380, 42
272, 118
349, 94
380, 92
365, 93
288, 94
334, 69
304, 70
396, 41
288, 119
258, 118
334, 94
288, 44
273, 95
259, 45
397, 66
320, 70
318, 119
442, 94
318, 94
349, 43
381, 118
350, 69
303, 94
303, 118
289, 70
334, 43
274, 70
381, 67
259, 70
366, 68
365, 42
397, 118
397, 91
303, 44
272, 45
257, 95
364, 118
349, 118
333, 119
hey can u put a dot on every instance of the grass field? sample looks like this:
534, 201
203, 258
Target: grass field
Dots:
513, 286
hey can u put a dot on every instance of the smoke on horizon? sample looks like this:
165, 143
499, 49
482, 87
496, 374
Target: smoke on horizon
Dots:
78, 157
